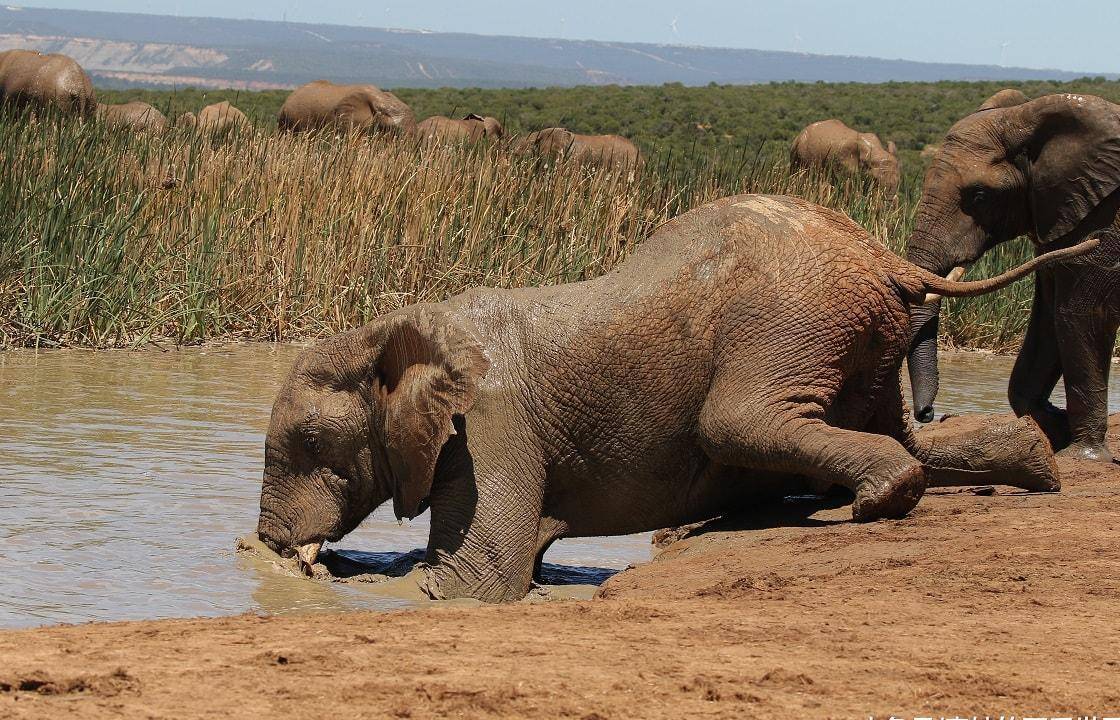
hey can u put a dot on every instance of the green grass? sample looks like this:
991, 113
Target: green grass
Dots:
111, 238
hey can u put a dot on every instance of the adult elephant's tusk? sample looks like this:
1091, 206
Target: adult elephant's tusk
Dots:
954, 275
307, 555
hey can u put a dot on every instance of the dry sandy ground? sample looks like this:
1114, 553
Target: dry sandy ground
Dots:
977, 604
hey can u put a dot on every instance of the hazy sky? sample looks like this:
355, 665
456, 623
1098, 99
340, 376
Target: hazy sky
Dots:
1070, 34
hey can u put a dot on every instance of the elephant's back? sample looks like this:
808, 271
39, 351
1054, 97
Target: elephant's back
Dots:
822, 139
18, 70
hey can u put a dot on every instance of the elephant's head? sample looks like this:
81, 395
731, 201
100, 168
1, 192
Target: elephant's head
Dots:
1040, 168
881, 162
361, 419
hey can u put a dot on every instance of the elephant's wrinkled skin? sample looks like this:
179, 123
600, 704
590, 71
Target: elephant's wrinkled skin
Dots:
1047, 168
747, 347
472, 128
831, 143
45, 81
324, 105
134, 116
605, 150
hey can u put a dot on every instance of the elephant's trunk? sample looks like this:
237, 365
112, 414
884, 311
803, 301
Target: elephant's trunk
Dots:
922, 360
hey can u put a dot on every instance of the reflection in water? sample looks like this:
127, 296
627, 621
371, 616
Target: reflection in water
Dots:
127, 476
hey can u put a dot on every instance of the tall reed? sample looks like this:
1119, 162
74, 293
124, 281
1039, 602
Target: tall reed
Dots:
113, 238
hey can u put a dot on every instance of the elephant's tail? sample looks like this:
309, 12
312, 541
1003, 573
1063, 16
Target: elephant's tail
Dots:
937, 286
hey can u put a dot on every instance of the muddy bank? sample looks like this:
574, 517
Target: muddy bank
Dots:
976, 604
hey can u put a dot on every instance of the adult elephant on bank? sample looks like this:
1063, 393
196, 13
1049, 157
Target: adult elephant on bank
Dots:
749, 347
323, 104
45, 81
471, 128
1050, 169
606, 150
832, 144
134, 116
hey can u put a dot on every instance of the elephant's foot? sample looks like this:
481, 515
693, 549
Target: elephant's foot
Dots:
890, 495
1096, 452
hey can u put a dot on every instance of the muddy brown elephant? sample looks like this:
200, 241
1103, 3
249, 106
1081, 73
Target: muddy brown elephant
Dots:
832, 144
1049, 169
218, 118
471, 128
324, 105
45, 81
135, 115
605, 150
706, 370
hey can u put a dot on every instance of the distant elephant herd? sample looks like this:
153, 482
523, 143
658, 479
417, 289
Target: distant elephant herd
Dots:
59, 82
750, 348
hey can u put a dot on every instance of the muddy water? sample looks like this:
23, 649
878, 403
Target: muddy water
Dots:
125, 477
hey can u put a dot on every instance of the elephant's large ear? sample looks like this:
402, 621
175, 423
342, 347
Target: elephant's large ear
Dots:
424, 371
1008, 97
1070, 148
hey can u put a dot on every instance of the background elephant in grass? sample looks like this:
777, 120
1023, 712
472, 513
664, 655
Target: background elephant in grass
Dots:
1049, 169
134, 116
832, 144
472, 128
217, 119
323, 104
707, 370
606, 150
45, 81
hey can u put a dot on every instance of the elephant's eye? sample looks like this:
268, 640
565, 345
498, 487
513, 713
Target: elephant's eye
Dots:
311, 441
977, 197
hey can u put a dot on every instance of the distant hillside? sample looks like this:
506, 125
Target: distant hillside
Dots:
154, 50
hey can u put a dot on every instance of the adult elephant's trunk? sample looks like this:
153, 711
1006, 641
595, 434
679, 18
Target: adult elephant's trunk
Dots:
922, 360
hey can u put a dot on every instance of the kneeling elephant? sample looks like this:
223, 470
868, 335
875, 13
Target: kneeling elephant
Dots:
747, 348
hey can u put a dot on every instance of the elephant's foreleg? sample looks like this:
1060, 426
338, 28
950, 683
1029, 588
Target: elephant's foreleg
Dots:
1085, 344
737, 431
1039, 366
486, 516
1013, 453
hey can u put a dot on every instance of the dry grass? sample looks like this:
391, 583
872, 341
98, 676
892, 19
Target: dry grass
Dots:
110, 238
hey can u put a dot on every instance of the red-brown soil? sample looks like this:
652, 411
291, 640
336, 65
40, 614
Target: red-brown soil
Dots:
1003, 604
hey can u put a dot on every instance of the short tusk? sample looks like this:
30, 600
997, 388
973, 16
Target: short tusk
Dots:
307, 555
954, 275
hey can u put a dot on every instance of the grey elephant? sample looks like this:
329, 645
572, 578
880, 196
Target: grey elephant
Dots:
748, 347
45, 81
135, 115
1050, 169
325, 105
471, 128
605, 150
832, 144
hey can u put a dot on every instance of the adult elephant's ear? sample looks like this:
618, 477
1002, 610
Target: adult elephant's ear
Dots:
423, 370
1069, 146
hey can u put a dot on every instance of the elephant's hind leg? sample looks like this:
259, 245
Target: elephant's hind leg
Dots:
1015, 453
787, 436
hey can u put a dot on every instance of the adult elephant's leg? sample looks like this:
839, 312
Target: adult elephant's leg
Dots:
1013, 453
1039, 366
486, 516
770, 434
1085, 344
